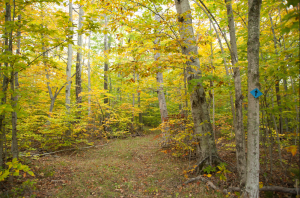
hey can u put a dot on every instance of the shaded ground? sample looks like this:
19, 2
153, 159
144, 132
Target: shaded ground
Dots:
132, 167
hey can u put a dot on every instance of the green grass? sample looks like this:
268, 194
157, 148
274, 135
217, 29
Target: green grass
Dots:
132, 167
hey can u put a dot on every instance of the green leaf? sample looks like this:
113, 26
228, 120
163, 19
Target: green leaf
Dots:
30, 173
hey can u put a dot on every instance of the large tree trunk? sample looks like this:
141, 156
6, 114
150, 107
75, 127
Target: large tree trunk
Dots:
79, 62
224, 60
239, 127
252, 181
200, 113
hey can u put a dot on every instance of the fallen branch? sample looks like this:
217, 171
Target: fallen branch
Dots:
272, 188
72, 149
234, 189
208, 183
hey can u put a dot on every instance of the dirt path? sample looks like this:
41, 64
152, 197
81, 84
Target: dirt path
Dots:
132, 167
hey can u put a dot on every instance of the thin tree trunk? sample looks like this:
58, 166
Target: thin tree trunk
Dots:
52, 105
252, 181
79, 63
199, 106
297, 113
160, 92
239, 127
89, 76
14, 86
186, 105
212, 85
277, 136
14, 141
106, 62
5, 83
69, 63
133, 100
270, 143
139, 105
278, 97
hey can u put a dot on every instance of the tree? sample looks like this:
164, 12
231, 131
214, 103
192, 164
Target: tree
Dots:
79, 60
160, 91
200, 113
239, 126
106, 60
252, 181
69, 63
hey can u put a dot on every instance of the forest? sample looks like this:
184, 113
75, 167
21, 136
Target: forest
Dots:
149, 98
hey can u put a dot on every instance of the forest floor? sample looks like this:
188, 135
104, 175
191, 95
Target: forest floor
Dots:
131, 167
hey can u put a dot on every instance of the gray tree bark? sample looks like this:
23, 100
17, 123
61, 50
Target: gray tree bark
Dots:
139, 105
89, 76
69, 63
160, 92
79, 62
200, 113
14, 86
224, 60
239, 127
252, 181
106, 62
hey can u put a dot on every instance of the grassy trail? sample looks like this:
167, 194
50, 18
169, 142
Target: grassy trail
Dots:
132, 167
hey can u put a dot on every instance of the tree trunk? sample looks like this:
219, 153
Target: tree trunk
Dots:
212, 85
239, 127
5, 83
297, 114
89, 76
252, 181
133, 100
199, 106
79, 62
160, 92
14, 86
278, 97
224, 60
14, 141
69, 63
106, 62
277, 136
139, 105
51, 105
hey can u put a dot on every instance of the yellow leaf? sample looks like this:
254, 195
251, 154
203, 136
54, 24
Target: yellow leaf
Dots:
209, 175
261, 185
292, 149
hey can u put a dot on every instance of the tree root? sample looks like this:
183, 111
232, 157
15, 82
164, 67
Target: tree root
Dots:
232, 168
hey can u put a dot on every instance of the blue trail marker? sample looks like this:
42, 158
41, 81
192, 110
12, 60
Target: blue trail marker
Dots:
256, 93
